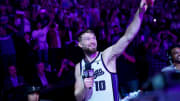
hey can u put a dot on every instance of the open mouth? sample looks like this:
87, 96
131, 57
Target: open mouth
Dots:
92, 46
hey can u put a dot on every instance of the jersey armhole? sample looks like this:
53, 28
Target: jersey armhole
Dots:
105, 66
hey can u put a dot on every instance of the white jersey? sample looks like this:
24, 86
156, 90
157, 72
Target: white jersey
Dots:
105, 87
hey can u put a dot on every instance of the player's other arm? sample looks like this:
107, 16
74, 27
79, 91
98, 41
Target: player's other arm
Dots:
80, 90
111, 53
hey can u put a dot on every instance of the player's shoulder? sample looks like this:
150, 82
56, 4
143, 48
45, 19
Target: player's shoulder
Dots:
168, 68
77, 65
77, 69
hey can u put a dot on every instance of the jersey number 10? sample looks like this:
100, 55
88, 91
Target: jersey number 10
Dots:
100, 85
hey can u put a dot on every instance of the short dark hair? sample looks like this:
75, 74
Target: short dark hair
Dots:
172, 47
29, 89
85, 31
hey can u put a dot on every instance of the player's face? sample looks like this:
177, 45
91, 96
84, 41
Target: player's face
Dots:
33, 97
88, 42
176, 54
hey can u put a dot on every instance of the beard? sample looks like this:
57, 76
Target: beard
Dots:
90, 51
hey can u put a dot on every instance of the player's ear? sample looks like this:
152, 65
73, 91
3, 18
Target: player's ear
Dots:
79, 44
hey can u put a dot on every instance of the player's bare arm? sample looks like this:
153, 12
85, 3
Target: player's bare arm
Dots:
111, 53
80, 89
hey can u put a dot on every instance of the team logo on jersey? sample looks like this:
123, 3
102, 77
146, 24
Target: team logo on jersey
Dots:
98, 72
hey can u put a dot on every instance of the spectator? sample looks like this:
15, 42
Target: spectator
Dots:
13, 80
7, 50
66, 71
54, 37
43, 78
12, 84
174, 58
41, 46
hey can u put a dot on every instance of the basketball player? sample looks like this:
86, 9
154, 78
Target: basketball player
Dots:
103, 85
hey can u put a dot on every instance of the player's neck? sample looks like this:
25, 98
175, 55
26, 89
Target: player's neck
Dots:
91, 57
177, 65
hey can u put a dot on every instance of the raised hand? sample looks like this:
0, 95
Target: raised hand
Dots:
150, 2
146, 3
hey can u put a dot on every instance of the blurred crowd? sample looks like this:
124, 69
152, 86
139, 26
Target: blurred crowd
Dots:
40, 37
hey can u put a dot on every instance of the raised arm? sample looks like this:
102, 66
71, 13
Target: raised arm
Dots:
111, 53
